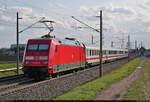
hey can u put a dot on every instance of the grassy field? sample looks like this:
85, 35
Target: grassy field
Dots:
136, 91
6, 65
89, 90
3, 74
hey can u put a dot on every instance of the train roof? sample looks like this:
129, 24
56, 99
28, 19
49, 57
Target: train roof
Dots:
41, 39
69, 41
106, 48
65, 41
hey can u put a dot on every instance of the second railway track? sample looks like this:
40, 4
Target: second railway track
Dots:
5, 89
8, 78
11, 83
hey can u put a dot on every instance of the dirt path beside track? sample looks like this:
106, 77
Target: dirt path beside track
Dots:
117, 90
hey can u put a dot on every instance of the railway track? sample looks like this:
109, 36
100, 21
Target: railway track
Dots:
8, 78
6, 89
11, 83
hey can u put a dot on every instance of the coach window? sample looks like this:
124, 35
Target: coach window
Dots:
117, 52
90, 52
112, 52
109, 52
121, 52
104, 52
93, 52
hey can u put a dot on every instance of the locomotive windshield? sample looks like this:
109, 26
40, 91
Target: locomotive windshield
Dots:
38, 47
43, 47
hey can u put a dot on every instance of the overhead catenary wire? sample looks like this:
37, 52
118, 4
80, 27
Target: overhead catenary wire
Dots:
32, 25
85, 24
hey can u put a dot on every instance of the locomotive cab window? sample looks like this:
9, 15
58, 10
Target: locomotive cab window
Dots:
43, 47
38, 47
32, 47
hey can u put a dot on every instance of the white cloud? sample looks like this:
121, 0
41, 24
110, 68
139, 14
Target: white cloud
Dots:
9, 13
109, 9
1, 28
29, 16
6, 18
20, 9
147, 29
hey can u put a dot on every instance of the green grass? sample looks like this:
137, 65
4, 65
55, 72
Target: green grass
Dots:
89, 90
5, 62
6, 65
136, 90
3, 74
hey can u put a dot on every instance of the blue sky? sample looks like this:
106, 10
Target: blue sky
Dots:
120, 18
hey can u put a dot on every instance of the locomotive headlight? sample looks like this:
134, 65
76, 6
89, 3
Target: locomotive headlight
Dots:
44, 62
29, 57
27, 62
43, 58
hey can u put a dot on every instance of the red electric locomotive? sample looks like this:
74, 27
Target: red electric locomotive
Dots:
47, 56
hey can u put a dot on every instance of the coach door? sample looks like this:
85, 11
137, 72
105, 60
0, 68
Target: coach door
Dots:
82, 56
